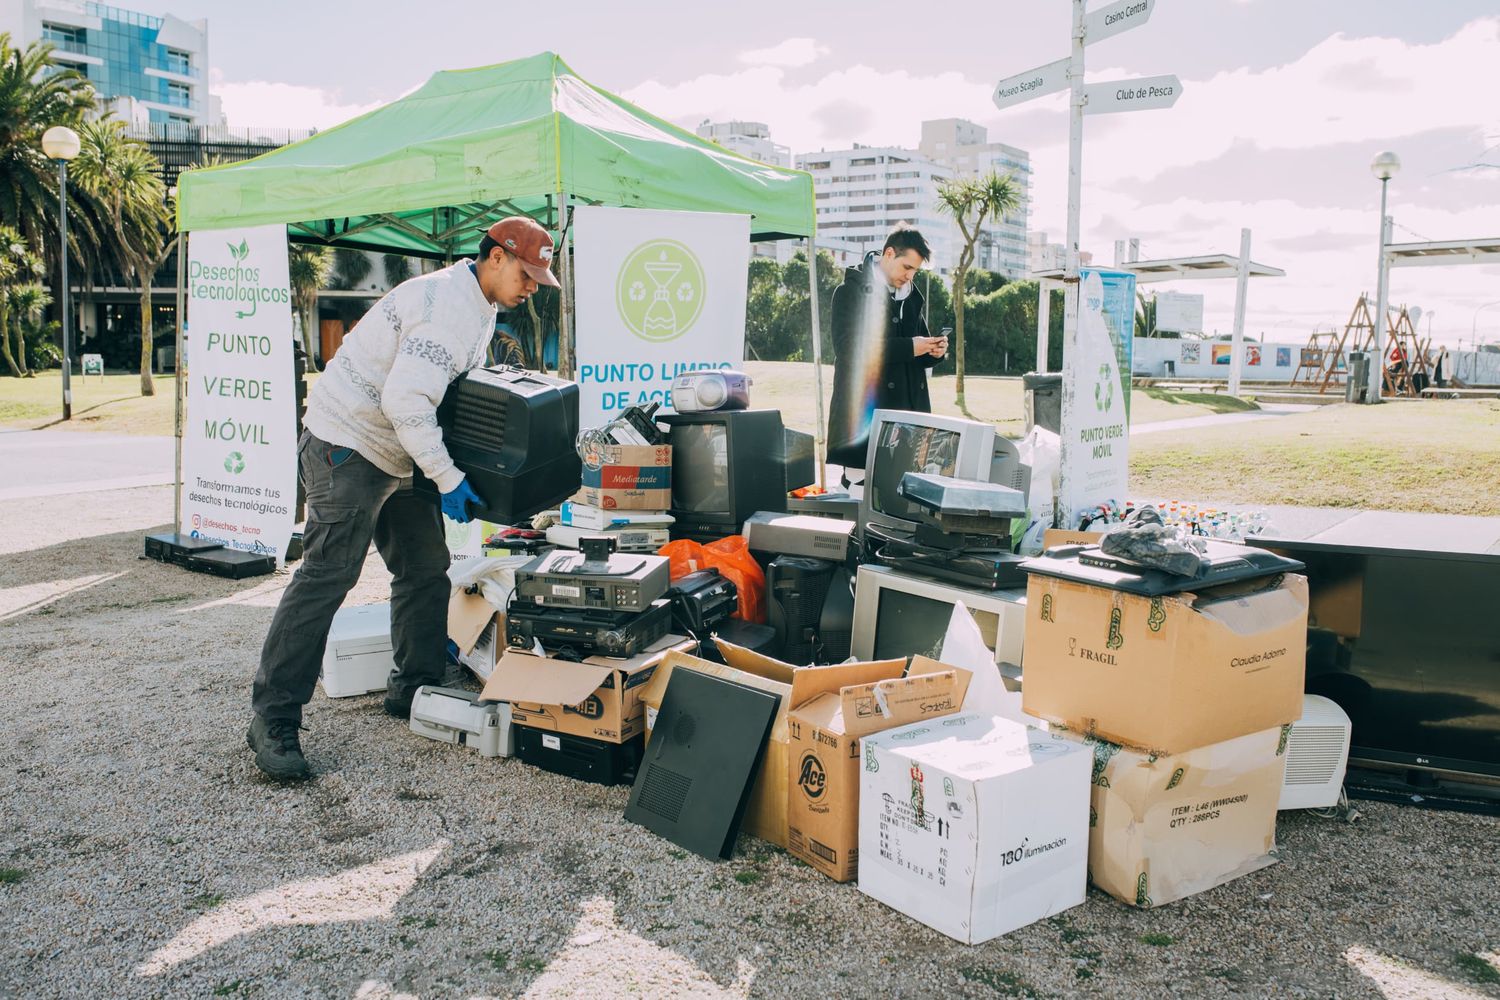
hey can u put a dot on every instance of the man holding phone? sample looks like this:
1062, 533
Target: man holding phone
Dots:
371, 417
882, 347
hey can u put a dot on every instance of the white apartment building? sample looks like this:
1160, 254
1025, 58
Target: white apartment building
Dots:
861, 193
147, 69
964, 148
751, 140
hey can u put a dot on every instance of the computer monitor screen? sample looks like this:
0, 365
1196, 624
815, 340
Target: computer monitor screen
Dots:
911, 624
903, 448
700, 468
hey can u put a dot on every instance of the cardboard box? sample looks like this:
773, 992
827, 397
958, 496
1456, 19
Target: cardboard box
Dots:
1165, 674
628, 477
1162, 828
974, 825
832, 707
1053, 537
765, 814
468, 617
598, 698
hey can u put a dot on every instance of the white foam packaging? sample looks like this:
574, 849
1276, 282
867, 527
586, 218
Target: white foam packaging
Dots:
974, 825
359, 655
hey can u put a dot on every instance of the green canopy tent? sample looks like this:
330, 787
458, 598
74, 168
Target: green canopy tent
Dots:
423, 175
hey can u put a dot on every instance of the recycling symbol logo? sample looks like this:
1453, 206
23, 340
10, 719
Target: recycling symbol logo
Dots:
234, 462
1104, 389
659, 291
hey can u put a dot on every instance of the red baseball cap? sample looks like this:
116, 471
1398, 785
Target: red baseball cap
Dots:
530, 243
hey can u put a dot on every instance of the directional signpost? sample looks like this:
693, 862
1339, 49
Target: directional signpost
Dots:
1022, 87
1141, 94
1101, 98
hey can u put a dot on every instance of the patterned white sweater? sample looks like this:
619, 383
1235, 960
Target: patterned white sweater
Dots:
380, 393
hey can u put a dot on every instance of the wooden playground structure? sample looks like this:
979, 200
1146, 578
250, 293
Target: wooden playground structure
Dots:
1405, 369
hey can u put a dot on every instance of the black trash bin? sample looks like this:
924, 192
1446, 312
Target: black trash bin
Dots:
1043, 400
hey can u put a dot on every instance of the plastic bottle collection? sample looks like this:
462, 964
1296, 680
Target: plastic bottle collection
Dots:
1209, 522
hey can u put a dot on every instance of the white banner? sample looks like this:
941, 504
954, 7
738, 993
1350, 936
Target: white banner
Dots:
1095, 421
658, 294
239, 448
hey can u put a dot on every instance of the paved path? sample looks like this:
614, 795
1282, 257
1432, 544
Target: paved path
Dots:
50, 463
1267, 411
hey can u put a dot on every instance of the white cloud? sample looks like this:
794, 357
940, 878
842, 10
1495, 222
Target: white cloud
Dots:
1330, 110
260, 103
792, 52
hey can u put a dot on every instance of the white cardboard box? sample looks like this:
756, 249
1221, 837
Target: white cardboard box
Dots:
973, 825
359, 656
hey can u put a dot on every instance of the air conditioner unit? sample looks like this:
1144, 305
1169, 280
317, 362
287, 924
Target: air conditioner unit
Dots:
1317, 752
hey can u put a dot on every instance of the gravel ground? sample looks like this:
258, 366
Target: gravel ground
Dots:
141, 853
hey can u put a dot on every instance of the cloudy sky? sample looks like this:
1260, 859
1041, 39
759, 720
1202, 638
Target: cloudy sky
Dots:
1284, 104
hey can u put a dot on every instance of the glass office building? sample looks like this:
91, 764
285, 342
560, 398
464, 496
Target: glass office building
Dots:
150, 69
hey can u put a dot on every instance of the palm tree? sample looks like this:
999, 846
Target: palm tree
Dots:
125, 177
971, 201
1145, 315
36, 94
397, 268
26, 304
19, 267
350, 267
308, 268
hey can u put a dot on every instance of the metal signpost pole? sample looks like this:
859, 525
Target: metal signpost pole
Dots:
1242, 279
67, 303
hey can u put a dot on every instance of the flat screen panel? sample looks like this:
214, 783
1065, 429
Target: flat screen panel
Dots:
904, 448
1408, 647
700, 468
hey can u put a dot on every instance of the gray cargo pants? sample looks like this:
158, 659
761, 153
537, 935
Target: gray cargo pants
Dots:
349, 503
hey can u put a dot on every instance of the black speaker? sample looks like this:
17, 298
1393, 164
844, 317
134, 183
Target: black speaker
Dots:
795, 589
836, 623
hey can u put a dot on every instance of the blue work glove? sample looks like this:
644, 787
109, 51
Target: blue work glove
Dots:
456, 502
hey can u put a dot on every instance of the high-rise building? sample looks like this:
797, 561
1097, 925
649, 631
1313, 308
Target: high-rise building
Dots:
861, 193
146, 69
964, 148
751, 140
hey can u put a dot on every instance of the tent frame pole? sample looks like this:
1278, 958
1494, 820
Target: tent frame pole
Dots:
565, 345
179, 384
817, 355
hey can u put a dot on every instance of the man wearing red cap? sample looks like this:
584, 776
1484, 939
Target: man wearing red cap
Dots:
371, 417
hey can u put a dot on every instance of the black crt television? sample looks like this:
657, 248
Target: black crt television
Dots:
726, 465
1407, 643
512, 433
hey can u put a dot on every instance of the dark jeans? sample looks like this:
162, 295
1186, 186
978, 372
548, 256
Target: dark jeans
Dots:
349, 503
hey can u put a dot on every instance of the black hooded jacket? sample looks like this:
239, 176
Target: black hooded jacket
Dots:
874, 367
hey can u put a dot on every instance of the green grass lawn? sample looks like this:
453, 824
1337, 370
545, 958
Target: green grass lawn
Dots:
1441, 456
113, 403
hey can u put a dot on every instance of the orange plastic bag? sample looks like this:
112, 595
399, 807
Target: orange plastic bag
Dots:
731, 557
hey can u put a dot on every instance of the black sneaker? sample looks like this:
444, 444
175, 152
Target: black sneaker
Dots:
398, 702
278, 751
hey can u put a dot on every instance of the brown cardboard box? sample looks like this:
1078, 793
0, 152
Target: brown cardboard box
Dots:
832, 707
1162, 828
1061, 536
765, 814
468, 616
627, 477
599, 698
1165, 674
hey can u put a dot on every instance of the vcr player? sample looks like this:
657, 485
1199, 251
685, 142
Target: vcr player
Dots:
370, 417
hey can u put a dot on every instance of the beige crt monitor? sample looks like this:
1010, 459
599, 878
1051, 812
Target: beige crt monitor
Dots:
898, 614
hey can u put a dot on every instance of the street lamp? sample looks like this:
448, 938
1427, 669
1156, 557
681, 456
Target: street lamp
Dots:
60, 143
1384, 167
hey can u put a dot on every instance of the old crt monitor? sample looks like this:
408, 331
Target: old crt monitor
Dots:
726, 465
899, 615
511, 431
902, 442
